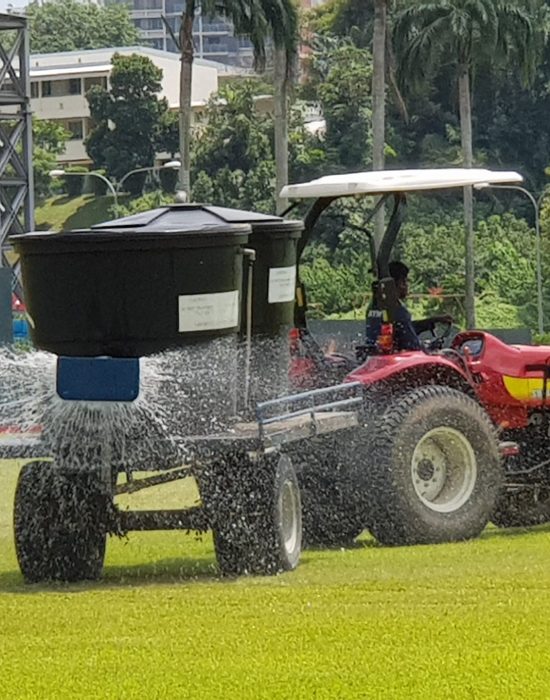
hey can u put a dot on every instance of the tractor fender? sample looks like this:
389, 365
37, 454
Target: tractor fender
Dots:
409, 370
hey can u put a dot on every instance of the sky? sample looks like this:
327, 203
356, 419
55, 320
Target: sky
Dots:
15, 4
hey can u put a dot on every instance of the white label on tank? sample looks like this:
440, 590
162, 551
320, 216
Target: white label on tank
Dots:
207, 312
282, 284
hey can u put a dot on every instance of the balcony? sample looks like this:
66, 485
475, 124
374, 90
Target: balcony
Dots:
152, 33
60, 107
145, 14
74, 152
215, 49
215, 28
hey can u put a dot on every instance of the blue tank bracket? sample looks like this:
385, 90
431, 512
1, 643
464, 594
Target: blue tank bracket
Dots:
97, 378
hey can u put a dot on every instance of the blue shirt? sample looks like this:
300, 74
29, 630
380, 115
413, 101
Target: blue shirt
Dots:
405, 337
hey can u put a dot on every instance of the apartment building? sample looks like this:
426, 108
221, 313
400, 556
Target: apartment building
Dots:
214, 38
59, 82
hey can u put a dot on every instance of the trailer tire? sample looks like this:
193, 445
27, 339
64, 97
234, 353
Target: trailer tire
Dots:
434, 473
333, 513
521, 510
255, 513
60, 523
330, 516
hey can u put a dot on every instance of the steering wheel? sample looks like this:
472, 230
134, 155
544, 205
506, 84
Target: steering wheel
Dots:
438, 339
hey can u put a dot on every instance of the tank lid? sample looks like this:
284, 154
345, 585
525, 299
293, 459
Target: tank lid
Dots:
194, 216
214, 231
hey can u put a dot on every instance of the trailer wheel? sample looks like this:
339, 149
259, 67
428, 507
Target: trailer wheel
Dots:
435, 473
330, 516
60, 523
522, 509
333, 512
255, 512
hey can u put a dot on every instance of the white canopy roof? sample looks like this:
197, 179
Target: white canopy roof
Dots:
384, 181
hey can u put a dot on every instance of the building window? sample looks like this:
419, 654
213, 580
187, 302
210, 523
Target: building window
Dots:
148, 24
35, 92
100, 80
74, 86
61, 88
147, 5
174, 7
75, 128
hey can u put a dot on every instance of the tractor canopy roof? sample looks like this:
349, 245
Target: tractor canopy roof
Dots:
383, 182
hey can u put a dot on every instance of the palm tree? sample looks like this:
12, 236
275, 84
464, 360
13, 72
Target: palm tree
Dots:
430, 34
280, 82
379, 98
260, 20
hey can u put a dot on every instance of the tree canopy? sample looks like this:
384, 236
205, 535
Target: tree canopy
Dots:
264, 22
48, 142
69, 25
127, 117
232, 148
463, 33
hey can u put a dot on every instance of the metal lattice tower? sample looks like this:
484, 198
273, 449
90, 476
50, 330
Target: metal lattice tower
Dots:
16, 178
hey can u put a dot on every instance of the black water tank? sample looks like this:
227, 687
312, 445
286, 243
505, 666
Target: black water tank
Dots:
274, 239
135, 286
275, 242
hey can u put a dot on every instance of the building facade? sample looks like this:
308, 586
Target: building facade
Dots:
59, 82
214, 38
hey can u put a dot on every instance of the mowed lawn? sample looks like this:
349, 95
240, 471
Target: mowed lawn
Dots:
468, 620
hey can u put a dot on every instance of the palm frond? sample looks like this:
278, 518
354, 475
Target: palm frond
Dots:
469, 30
260, 21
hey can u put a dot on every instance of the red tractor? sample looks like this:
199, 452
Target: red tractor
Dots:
451, 437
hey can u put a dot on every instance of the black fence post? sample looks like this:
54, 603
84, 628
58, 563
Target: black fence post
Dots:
6, 321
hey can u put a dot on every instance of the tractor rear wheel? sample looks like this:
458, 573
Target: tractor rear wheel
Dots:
255, 514
435, 472
522, 509
60, 523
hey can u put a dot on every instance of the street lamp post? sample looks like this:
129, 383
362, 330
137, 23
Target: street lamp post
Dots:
62, 173
116, 188
538, 253
171, 165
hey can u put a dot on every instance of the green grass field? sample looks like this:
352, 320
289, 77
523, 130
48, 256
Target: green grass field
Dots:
64, 213
457, 621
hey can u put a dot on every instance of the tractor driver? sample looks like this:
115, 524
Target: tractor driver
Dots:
406, 330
